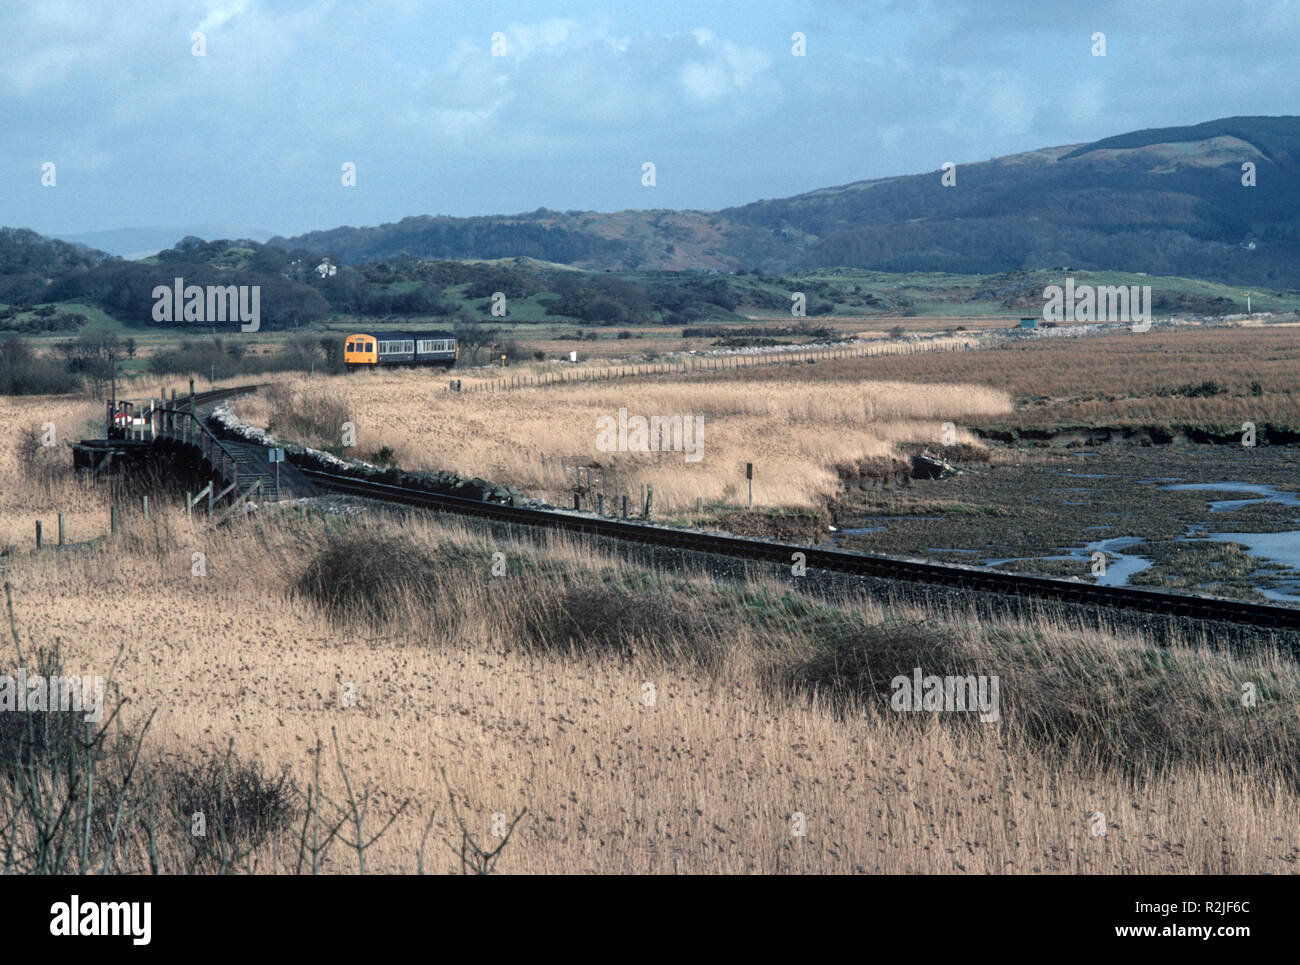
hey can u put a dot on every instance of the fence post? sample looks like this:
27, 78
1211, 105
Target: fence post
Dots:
112, 519
649, 500
60, 529
625, 505
39, 541
144, 506
189, 505
600, 504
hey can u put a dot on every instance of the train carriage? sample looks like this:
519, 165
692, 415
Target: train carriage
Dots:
401, 348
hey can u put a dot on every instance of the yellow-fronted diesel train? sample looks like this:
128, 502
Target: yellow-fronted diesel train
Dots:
401, 348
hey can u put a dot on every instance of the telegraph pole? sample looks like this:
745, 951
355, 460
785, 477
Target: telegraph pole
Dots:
112, 378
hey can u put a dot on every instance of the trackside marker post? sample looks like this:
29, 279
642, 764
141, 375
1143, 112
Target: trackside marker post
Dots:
276, 456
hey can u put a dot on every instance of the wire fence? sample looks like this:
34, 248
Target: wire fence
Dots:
690, 365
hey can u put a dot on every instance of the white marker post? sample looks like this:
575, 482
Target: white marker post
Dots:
276, 456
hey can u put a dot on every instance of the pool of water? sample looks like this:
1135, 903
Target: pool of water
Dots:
1289, 595
1262, 494
1275, 547
1118, 570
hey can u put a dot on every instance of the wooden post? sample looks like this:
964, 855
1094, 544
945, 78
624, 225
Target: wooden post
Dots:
600, 504
112, 519
189, 505
144, 506
191, 395
577, 500
39, 541
60, 529
699, 504
749, 474
625, 505
649, 500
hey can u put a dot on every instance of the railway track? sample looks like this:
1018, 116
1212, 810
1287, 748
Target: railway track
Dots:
905, 570
216, 395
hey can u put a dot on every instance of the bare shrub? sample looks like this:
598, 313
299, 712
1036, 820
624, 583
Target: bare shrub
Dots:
37, 461
311, 417
241, 805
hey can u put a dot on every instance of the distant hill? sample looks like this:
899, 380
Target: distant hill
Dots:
1165, 201
52, 288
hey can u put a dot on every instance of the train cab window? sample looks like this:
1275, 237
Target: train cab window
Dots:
351, 347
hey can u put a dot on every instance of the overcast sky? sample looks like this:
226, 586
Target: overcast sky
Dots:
254, 133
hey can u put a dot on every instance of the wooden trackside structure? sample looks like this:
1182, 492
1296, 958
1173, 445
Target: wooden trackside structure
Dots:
175, 435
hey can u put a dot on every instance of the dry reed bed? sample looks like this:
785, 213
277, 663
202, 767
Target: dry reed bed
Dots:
493, 686
1113, 379
38, 484
795, 432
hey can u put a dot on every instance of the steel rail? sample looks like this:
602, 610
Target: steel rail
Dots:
890, 568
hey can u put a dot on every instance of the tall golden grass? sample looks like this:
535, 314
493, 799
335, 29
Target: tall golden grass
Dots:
41, 485
797, 433
529, 689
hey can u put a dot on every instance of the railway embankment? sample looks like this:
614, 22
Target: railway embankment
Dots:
225, 424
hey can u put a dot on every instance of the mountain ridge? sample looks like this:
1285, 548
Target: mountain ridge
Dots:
1163, 200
